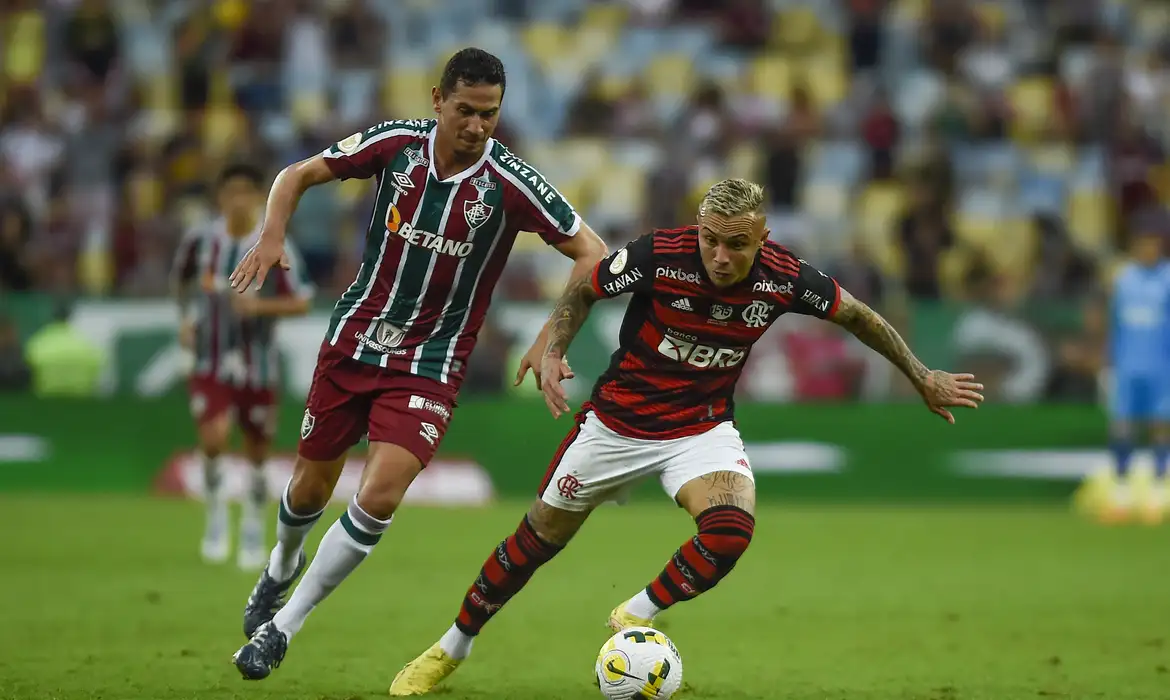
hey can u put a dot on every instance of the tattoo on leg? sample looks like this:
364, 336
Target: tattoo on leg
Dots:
728, 481
726, 498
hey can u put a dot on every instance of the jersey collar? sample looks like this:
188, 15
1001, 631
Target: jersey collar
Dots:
432, 136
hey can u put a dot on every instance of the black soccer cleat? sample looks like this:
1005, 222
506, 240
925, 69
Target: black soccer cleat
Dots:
264, 652
268, 598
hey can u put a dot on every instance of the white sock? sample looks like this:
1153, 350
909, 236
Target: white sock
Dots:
212, 494
256, 496
291, 530
456, 644
345, 545
641, 606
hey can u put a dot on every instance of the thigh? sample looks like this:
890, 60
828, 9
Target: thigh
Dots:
256, 411
709, 469
594, 465
413, 413
390, 470
1126, 399
336, 411
209, 399
1160, 404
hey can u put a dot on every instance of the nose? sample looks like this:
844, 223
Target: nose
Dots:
475, 125
721, 255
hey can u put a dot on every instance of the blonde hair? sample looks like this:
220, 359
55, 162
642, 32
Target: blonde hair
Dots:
732, 197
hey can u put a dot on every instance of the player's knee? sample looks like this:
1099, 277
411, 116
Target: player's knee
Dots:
725, 532
389, 473
554, 525
310, 489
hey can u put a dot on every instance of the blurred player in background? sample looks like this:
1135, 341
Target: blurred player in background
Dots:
450, 202
1139, 359
235, 369
702, 296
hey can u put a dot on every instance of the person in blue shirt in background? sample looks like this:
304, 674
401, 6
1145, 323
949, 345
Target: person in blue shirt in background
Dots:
1139, 359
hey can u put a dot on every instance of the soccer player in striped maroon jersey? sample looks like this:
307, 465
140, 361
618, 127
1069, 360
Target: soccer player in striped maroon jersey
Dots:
230, 337
701, 296
450, 203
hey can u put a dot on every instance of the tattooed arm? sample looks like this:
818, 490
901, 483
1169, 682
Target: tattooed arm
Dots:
566, 319
940, 390
569, 315
870, 328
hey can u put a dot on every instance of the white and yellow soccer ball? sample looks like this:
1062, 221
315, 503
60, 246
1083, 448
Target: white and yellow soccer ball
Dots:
639, 662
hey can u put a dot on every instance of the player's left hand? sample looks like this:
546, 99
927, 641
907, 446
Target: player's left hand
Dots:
943, 390
532, 361
554, 370
256, 263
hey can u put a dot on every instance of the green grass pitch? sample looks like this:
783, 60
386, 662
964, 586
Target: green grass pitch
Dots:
104, 597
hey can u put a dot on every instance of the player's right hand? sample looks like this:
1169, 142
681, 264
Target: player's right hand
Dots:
256, 263
554, 370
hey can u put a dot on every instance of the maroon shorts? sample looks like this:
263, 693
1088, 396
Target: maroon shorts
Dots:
349, 399
253, 408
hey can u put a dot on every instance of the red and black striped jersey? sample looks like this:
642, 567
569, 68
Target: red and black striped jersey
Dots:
683, 340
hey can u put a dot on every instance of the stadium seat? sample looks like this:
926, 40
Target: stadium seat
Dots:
796, 29
619, 196
828, 80
825, 199
670, 75
876, 212
953, 265
1032, 103
745, 161
1013, 248
772, 76
408, 92
1089, 218
545, 42
608, 17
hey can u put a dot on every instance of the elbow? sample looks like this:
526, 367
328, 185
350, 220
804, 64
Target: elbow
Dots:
594, 251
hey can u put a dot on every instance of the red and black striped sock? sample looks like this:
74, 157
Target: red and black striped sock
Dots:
503, 575
724, 535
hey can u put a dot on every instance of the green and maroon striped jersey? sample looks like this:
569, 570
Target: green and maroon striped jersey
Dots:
434, 248
229, 348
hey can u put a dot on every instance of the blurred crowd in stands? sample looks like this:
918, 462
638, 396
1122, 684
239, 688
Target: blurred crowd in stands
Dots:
990, 152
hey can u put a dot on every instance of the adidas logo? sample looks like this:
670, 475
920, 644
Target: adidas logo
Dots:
683, 304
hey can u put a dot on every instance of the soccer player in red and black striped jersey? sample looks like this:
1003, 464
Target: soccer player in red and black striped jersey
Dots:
450, 203
231, 337
701, 296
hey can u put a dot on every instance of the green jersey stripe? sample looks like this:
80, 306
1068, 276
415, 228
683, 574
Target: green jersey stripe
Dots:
367, 277
361, 352
434, 258
558, 212
465, 293
352, 300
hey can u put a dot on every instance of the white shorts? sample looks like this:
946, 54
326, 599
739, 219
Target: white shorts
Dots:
596, 464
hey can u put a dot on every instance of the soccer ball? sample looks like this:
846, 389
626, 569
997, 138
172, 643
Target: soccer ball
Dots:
639, 662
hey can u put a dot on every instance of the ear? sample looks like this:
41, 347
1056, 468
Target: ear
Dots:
437, 99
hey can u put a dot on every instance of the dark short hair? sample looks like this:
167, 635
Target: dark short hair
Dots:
472, 66
248, 171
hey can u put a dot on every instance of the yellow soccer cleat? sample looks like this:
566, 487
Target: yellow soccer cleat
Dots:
620, 620
420, 676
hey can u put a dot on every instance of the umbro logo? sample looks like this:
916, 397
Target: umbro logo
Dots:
683, 304
401, 182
